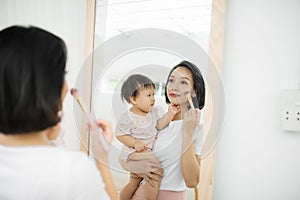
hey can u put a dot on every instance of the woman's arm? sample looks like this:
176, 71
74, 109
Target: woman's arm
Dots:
144, 162
145, 165
107, 179
190, 162
101, 159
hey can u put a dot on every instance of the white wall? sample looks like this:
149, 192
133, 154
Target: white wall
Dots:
65, 18
256, 159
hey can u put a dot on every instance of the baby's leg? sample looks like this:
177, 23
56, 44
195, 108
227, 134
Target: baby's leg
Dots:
131, 187
151, 190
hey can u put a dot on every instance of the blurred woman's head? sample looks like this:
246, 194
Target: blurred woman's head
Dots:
32, 71
185, 78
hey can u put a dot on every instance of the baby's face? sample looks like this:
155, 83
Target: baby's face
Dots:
145, 99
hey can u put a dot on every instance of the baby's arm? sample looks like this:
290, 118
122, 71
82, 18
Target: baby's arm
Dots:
127, 140
165, 120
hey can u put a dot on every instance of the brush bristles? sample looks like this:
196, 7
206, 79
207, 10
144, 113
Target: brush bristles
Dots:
75, 94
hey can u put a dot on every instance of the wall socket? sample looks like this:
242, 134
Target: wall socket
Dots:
290, 110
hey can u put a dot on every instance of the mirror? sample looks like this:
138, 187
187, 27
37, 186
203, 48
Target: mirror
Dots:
118, 19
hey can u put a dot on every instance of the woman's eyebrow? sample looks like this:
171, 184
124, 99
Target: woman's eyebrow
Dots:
184, 77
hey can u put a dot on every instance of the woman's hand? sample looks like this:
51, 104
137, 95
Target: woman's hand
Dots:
141, 163
191, 120
107, 129
190, 164
97, 149
101, 157
150, 177
139, 145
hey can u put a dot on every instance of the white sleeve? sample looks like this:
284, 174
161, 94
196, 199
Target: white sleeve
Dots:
198, 134
85, 180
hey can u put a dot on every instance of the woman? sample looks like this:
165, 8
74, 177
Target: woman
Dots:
178, 146
32, 88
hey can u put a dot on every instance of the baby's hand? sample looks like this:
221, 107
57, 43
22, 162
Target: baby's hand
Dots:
173, 109
139, 145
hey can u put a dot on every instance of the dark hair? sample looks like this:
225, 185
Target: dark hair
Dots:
32, 69
132, 84
199, 85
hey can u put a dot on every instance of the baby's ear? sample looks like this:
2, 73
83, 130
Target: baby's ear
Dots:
132, 100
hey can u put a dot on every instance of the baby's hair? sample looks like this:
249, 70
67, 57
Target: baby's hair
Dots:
132, 84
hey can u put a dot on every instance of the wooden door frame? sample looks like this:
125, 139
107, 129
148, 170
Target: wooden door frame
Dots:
89, 58
216, 47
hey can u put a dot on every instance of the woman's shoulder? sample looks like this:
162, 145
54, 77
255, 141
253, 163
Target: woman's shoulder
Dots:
45, 152
73, 161
71, 155
45, 156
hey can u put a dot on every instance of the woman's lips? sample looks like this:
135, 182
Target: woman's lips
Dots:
173, 95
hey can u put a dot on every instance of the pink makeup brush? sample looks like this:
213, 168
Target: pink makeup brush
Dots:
75, 94
91, 119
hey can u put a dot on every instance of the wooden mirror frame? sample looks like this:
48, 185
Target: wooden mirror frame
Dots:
216, 46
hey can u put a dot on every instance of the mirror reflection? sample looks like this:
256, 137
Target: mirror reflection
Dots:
114, 17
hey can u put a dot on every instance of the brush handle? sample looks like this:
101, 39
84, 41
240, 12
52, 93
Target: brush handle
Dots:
92, 121
190, 100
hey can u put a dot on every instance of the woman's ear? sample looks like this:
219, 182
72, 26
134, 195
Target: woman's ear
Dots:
194, 93
132, 100
54, 131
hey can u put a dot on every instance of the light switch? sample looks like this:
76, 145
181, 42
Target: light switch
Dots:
290, 110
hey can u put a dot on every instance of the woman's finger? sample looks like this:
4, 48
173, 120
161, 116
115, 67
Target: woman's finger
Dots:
154, 165
148, 177
158, 173
150, 181
155, 177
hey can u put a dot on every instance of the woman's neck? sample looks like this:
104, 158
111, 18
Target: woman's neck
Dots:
27, 139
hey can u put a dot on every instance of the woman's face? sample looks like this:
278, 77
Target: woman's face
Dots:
179, 84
